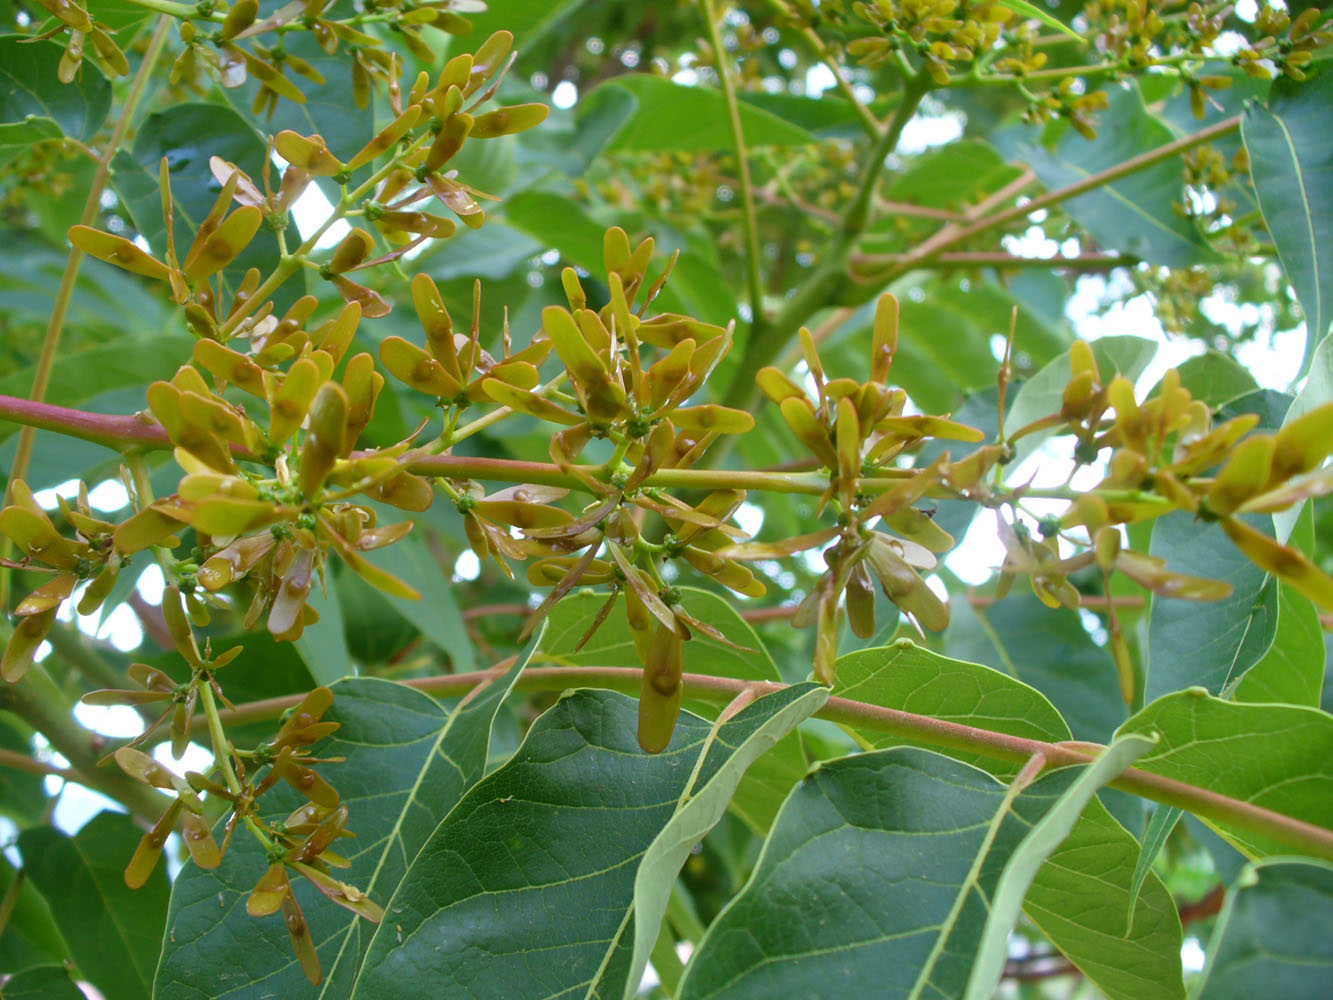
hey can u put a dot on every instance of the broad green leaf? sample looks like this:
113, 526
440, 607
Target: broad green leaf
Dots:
1215, 378
1291, 669
771, 777
436, 615
31, 936
187, 135
1136, 214
1207, 643
699, 811
676, 118
22, 795
1291, 163
407, 762
559, 223
827, 115
327, 111
35, 105
843, 901
1272, 936
1040, 395
114, 933
108, 303
1092, 933
948, 177
480, 913
1048, 834
323, 646
1276, 756
528, 20
1048, 649
43, 982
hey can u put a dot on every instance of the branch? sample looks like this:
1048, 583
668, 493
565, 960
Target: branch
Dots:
752, 249
815, 292
953, 235
1294, 833
1006, 261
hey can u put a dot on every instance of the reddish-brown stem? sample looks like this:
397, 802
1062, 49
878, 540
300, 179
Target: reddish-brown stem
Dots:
907, 726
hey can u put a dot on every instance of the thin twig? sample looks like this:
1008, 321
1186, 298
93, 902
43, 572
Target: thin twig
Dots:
753, 254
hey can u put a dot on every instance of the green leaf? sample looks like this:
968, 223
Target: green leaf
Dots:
480, 913
1160, 824
1291, 669
327, 111
843, 901
188, 135
671, 117
35, 105
408, 762
1048, 834
1272, 936
947, 178
1026, 10
769, 780
1048, 649
1092, 933
529, 20
1291, 163
1040, 396
78, 377
1206, 643
558, 222
436, 615
323, 646
44, 982
22, 795
31, 936
114, 932
1136, 214
1276, 756
700, 809
1215, 378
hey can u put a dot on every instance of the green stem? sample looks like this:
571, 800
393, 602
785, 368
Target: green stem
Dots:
753, 254
816, 291
221, 745
950, 736
182, 11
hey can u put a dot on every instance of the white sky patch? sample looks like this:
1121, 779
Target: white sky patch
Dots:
924, 132
117, 721
750, 517
565, 95
1192, 955
467, 566
310, 210
195, 758
151, 584
108, 495
819, 79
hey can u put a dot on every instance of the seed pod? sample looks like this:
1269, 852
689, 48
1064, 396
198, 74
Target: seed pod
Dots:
351, 250
118, 251
662, 691
149, 848
886, 338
